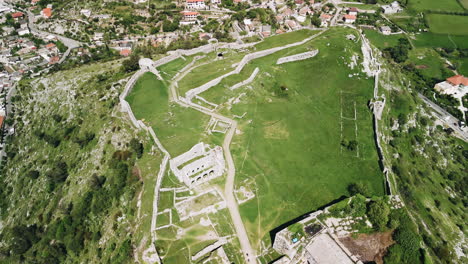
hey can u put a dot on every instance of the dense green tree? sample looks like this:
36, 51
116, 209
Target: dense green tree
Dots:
131, 64
378, 213
137, 147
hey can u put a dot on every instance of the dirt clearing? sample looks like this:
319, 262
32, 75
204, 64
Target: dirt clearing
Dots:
369, 247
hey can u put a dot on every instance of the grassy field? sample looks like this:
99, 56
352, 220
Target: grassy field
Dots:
448, 24
284, 39
429, 62
178, 128
168, 70
382, 41
462, 66
435, 5
431, 40
290, 140
211, 70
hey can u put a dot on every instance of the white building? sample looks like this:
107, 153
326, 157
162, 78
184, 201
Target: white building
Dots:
392, 8
198, 165
190, 15
195, 4
456, 86
216, 2
386, 30
349, 19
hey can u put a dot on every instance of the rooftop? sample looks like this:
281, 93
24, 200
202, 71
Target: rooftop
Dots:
457, 80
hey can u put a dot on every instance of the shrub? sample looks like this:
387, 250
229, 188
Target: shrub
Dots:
137, 147
378, 213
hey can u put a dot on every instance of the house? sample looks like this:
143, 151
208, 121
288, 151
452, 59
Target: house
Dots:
46, 12
392, 8
349, 18
190, 15
54, 60
195, 4
215, 2
353, 11
266, 30
52, 47
300, 18
22, 31
292, 24
204, 36
125, 52
305, 11
386, 30
457, 86
17, 15
299, 2
98, 36
325, 17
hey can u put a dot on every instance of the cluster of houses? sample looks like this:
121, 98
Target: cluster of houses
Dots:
21, 53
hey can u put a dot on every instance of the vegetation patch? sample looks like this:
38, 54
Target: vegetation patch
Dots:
448, 24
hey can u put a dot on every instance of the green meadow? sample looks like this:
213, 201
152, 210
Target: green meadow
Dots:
435, 5
290, 139
289, 142
448, 24
177, 127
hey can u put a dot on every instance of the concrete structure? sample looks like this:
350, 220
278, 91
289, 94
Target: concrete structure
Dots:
386, 30
195, 4
198, 165
392, 8
309, 241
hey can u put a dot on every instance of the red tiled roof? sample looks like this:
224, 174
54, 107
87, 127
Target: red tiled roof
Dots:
189, 13
1, 121
353, 9
54, 60
325, 16
457, 80
50, 45
125, 52
17, 14
47, 12
350, 17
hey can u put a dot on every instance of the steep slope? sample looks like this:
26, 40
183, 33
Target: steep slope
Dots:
74, 171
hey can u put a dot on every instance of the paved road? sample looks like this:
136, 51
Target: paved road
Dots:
446, 118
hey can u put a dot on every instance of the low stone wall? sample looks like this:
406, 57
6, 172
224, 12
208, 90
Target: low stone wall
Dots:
247, 81
247, 58
297, 57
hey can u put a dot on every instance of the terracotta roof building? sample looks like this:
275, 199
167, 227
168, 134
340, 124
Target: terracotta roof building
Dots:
17, 15
46, 12
125, 52
458, 80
